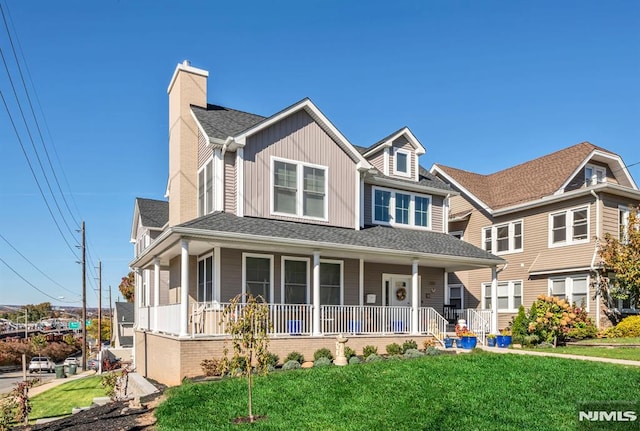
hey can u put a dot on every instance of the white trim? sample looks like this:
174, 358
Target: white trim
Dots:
388, 141
217, 286
448, 295
569, 213
436, 170
511, 237
358, 202
512, 308
185, 67
240, 182
446, 290
341, 263
361, 281
415, 297
201, 129
397, 151
593, 179
416, 167
568, 287
316, 330
445, 214
386, 161
283, 259
201, 258
299, 188
596, 153
361, 203
207, 165
392, 209
218, 172
560, 271
244, 272
184, 288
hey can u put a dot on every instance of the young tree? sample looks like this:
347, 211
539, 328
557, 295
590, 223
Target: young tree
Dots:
92, 329
128, 286
620, 255
248, 325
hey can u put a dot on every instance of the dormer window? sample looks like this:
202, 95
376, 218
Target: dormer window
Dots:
401, 164
594, 175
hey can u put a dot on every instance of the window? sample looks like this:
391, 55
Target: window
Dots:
509, 295
401, 166
455, 295
503, 238
623, 224
299, 189
295, 279
594, 175
330, 283
205, 189
573, 289
569, 227
400, 208
205, 279
258, 271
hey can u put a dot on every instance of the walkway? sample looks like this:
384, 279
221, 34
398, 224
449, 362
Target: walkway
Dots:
561, 355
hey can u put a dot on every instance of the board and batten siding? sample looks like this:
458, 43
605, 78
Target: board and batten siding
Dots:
298, 137
230, 182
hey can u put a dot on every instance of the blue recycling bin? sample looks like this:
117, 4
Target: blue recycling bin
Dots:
293, 327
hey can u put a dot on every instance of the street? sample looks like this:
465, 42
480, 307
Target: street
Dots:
8, 379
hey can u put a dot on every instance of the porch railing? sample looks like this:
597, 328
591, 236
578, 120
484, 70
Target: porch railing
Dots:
355, 319
144, 317
479, 323
168, 319
433, 323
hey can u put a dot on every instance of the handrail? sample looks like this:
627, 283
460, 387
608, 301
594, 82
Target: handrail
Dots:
477, 323
432, 322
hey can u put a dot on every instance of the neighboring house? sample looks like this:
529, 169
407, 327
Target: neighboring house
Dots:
123, 319
338, 239
544, 217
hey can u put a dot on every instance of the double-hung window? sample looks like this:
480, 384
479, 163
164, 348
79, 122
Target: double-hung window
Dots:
205, 189
509, 295
594, 175
503, 238
299, 189
573, 289
401, 208
569, 227
205, 279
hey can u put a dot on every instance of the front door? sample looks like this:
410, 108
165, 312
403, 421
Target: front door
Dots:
397, 289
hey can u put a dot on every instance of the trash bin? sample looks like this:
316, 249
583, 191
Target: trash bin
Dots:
72, 369
60, 372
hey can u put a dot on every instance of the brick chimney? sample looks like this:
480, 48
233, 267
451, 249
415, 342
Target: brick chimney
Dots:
188, 87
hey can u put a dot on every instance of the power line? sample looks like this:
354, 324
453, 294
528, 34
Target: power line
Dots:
32, 285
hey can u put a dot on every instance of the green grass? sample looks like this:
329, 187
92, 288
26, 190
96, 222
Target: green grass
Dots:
635, 340
477, 391
59, 401
630, 353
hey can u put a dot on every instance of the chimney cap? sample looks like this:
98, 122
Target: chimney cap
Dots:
186, 67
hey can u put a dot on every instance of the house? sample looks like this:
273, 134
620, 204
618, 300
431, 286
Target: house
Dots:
339, 239
123, 319
544, 217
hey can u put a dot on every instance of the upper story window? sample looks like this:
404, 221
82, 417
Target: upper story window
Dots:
623, 224
569, 227
401, 208
402, 164
205, 189
594, 175
299, 189
503, 238
142, 243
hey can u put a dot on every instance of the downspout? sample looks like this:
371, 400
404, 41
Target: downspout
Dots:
595, 254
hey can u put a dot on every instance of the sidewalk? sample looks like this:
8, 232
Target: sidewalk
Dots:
561, 355
36, 390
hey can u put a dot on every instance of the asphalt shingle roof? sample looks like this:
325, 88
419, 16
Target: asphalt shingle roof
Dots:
221, 122
124, 311
379, 237
154, 213
525, 182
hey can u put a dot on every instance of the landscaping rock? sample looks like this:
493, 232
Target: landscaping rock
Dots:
307, 364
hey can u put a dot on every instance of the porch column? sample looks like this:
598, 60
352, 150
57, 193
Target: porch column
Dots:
316, 294
415, 298
184, 289
156, 291
494, 300
361, 282
216, 274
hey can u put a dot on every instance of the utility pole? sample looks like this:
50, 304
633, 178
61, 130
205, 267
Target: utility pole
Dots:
100, 305
84, 301
110, 315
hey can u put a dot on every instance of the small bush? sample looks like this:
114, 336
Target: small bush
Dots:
413, 353
291, 365
520, 326
368, 351
349, 352
394, 349
374, 358
354, 360
409, 345
628, 327
432, 351
322, 361
322, 353
530, 340
272, 359
214, 367
428, 342
295, 356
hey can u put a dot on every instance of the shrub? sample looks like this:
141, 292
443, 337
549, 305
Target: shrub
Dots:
214, 367
295, 356
409, 345
582, 326
520, 326
373, 358
413, 353
550, 318
628, 327
291, 365
322, 353
271, 359
322, 361
349, 352
428, 342
354, 360
530, 340
432, 351
369, 350
394, 349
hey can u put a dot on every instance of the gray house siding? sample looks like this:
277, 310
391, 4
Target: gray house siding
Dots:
431, 279
299, 138
377, 160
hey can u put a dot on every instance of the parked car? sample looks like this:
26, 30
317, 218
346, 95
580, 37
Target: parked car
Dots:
92, 364
41, 363
71, 360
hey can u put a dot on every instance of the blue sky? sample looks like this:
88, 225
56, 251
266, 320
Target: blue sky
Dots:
483, 85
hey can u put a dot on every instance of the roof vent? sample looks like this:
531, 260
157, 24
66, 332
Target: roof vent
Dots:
186, 63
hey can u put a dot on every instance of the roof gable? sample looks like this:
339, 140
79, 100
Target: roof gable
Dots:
149, 213
387, 141
219, 122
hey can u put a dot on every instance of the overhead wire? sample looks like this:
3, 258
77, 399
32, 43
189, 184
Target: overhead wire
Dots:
34, 286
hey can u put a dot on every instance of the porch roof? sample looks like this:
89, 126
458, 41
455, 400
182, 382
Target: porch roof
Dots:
439, 249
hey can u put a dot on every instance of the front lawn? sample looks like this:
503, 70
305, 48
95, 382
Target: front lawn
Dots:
628, 340
630, 353
59, 401
476, 391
